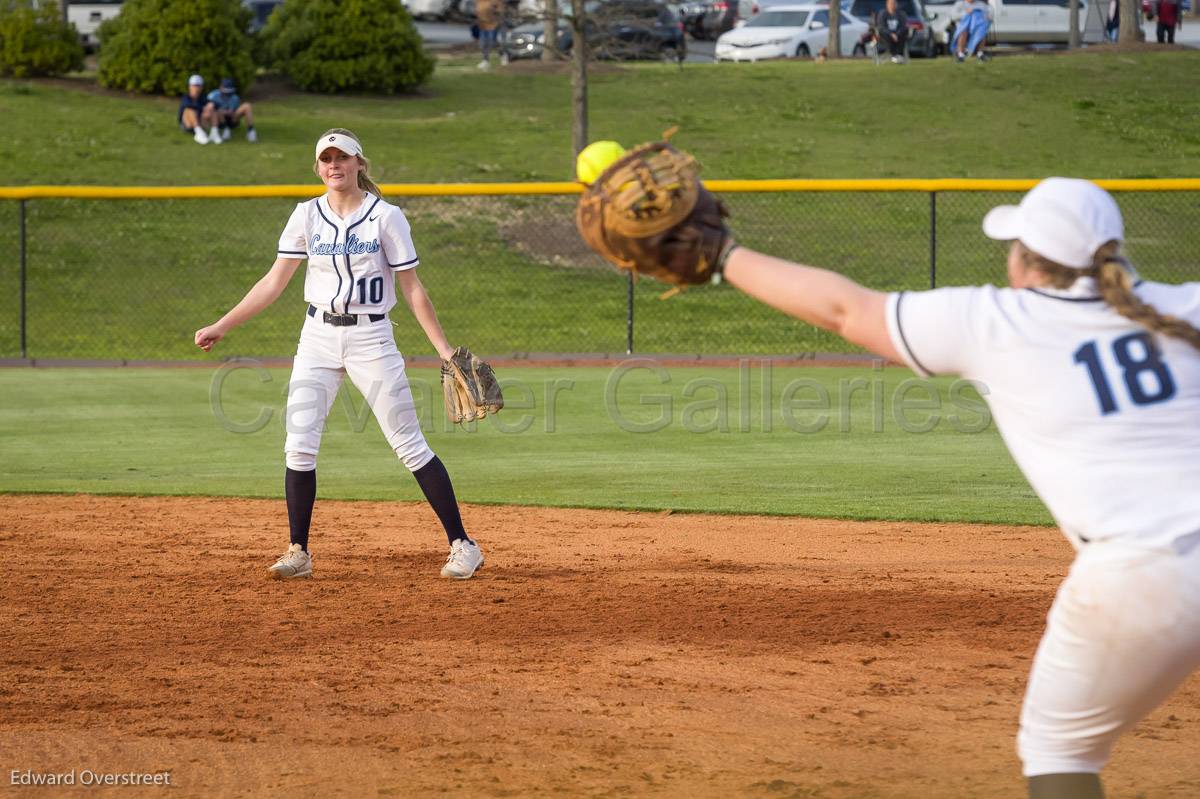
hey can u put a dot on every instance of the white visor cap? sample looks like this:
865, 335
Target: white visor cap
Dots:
339, 140
1063, 219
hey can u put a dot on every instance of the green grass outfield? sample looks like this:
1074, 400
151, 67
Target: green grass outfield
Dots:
134, 279
704, 446
1096, 114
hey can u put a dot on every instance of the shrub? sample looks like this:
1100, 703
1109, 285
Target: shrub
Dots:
36, 42
153, 46
335, 45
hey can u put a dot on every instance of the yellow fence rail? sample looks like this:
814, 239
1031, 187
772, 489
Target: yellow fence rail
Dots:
513, 189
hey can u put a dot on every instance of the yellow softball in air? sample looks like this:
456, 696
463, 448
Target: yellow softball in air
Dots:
595, 158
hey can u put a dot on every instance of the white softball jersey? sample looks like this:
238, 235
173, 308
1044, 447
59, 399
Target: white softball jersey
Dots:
1102, 416
351, 261
351, 269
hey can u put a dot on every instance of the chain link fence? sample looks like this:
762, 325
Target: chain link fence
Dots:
133, 279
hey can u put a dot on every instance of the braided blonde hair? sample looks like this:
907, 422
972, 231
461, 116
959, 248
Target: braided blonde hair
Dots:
364, 181
1114, 278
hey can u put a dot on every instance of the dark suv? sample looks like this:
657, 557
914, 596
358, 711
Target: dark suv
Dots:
617, 29
920, 37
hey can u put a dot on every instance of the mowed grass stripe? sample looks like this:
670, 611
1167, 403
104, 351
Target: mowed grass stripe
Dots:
154, 431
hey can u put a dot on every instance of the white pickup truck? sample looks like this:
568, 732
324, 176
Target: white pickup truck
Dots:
1013, 21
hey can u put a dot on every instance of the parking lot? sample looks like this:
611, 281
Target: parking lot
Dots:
445, 34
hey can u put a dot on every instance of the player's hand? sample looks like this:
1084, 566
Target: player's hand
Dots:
206, 337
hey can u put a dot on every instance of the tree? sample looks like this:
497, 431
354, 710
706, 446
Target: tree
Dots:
152, 46
579, 56
335, 45
834, 48
36, 41
1131, 27
550, 31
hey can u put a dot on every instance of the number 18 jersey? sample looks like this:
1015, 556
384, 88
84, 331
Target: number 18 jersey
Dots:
1102, 416
350, 261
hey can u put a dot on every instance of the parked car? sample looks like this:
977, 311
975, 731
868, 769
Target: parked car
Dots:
1036, 21
942, 20
793, 31
920, 40
619, 29
721, 16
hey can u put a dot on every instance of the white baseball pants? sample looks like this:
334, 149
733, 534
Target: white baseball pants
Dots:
367, 353
1122, 635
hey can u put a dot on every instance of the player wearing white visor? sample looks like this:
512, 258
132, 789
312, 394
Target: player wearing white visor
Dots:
358, 248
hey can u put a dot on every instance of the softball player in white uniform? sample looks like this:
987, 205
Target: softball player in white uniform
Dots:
358, 247
1093, 378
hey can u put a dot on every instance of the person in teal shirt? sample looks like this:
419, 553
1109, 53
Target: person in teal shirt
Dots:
227, 110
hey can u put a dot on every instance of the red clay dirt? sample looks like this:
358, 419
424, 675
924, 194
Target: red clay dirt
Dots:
597, 654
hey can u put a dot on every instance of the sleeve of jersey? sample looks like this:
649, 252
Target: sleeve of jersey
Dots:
934, 330
395, 236
293, 242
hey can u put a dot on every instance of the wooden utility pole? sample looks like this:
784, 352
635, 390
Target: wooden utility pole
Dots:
1073, 22
579, 56
550, 31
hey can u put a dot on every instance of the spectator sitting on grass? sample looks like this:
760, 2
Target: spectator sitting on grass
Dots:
193, 110
227, 111
976, 18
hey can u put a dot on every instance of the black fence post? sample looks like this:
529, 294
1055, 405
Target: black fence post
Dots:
21, 223
933, 239
629, 315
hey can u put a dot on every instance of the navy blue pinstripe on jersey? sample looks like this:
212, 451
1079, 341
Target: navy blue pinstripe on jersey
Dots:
361, 219
332, 258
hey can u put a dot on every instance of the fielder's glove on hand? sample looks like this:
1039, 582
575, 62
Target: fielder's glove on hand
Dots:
649, 213
470, 387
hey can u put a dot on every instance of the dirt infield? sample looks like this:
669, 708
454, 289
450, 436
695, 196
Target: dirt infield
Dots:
598, 654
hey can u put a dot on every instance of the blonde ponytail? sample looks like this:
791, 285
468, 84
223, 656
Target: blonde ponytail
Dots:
1114, 279
364, 180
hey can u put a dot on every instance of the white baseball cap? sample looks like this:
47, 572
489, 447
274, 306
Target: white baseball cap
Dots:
339, 140
195, 80
1063, 219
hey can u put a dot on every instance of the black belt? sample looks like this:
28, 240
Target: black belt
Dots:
343, 319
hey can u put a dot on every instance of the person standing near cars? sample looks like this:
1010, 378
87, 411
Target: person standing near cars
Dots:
489, 14
1169, 19
891, 29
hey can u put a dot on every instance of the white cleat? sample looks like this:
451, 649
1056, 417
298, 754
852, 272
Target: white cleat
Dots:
252, 135
214, 135
483, 65
465, 558
199, 136
225, 134
293, 563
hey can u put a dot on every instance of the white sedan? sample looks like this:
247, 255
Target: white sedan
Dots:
794, 31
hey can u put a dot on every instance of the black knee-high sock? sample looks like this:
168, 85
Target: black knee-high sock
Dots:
435, 483
300, 488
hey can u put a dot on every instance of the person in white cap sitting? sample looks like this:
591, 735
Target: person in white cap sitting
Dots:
194, 113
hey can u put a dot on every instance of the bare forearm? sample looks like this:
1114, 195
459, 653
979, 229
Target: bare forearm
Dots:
422, 308
817, 296
264, 292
